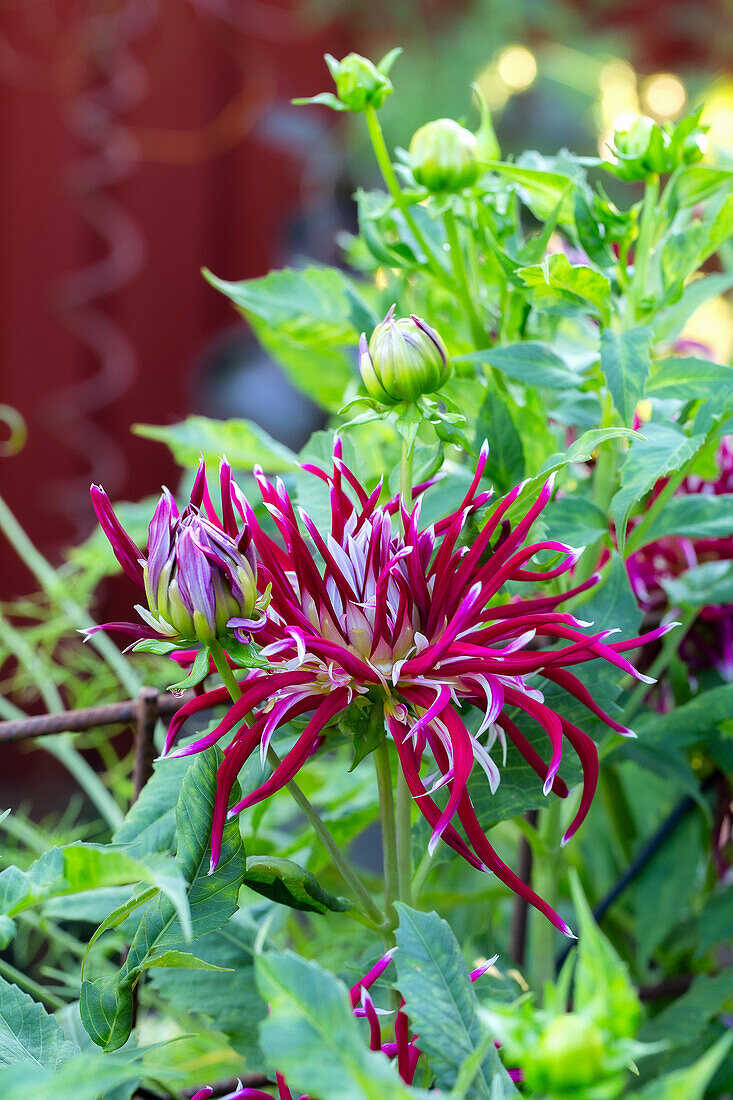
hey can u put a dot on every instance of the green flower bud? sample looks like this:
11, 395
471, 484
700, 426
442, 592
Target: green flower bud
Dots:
359, 83
444, 156
646, 148
404, 359
569, 1055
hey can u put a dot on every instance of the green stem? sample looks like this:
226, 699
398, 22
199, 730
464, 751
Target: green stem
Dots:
370, 910
543, 936
404, 838
54, 586
36, 990
385, 166
406, 476
664, 657
643, 247
459, 269
389, 831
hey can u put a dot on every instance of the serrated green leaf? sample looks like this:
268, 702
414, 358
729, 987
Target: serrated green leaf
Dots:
541, 190
688, 1016
243, 442
603, 990
709, 583
106, 1004
505, 465
313, 1038
28, 1034
226, 997
150, 823
625, 363
309, 321
664, 450
441, 1003
694, 515
556, 281
684, 377
287, 883
574, 520
533, 363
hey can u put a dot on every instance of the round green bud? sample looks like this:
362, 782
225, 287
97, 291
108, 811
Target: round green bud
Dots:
642, 149
404, 359
444, 156
359, 83
569, 1054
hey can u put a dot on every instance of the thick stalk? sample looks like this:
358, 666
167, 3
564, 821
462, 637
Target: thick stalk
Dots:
404, 798
389, 831
542, 935
643, 248
478, 333
406, 476
370, 910
385, 166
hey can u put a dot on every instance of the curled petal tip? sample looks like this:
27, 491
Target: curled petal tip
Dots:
644, 678
212, 866
626, 732
567, 930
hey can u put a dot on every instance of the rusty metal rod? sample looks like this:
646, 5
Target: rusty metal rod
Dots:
74, 721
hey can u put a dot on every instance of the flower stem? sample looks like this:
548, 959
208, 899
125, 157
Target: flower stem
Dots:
389, 831
404, 839
543, 935
370, 910
385, 166
643, 247
459, 269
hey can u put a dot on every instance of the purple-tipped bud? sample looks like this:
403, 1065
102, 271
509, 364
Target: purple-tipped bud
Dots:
200, 573
404, 359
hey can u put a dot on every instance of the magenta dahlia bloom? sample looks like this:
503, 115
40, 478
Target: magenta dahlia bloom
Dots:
710, 643
402, 1048
200, 575
416, 622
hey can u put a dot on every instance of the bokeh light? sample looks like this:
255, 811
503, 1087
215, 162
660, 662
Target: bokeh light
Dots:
664, 95
517, 67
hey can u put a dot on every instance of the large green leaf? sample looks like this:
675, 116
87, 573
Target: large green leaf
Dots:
688, 1016
670, 322
89, 1076
556, 281
312, 1037
244, 443
689, 723
535, 364
505, 465
611, 604
227, 998
309, 321
695, 516
709, 583
667, 887
442, 1005
81, 867
664, 450
574, 520
625, 362
685, 377
150, 824
603, 990
542, 190
28, 1034
106, 1004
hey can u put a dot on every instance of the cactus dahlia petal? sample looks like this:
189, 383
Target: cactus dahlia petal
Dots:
417, 623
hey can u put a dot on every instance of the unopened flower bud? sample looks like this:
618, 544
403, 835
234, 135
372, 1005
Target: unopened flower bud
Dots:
646, 148
444, 156
404, 359
200, 575
569, 1055
359, 82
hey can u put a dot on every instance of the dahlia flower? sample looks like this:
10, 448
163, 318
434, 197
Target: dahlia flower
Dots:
416, 623
403, 1048
710, 643
200, 575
